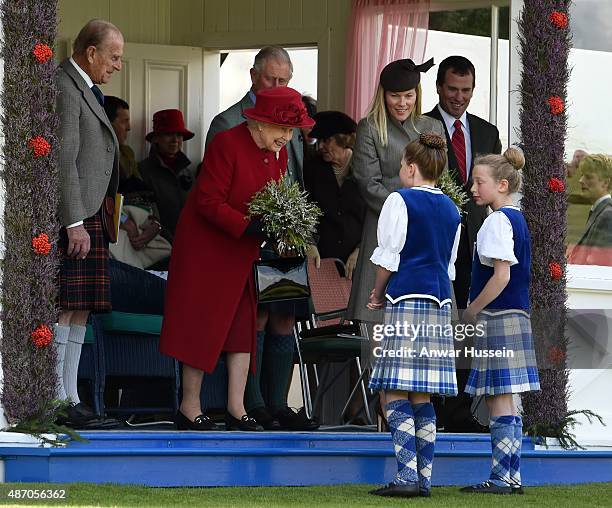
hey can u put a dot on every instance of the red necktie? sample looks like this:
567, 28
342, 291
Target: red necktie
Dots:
458, 142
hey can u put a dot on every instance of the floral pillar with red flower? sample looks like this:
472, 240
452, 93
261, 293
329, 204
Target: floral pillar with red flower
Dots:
29, 289
545, 42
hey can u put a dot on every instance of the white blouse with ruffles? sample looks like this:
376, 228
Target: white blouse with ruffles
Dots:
392, 230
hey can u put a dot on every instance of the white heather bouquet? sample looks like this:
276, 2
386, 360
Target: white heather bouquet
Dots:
287, 216
448, 185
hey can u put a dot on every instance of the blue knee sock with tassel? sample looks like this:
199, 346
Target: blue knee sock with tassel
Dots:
400, 418
502, 440
515, 460
425, 434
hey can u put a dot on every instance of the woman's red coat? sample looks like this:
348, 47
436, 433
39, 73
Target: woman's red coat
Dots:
212, 259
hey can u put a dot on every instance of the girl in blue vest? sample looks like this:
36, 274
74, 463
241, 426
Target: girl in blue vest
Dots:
418, 235
499, 296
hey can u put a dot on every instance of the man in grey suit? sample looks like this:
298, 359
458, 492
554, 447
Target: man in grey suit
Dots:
595, 245
88, 168
275, 343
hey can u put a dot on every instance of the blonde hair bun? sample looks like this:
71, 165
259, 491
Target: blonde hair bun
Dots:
433, 140
515, 157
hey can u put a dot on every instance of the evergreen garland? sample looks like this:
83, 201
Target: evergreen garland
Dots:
545, 42
30, 268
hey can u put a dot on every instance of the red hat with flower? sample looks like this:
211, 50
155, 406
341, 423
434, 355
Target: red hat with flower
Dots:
280, 106
169, 121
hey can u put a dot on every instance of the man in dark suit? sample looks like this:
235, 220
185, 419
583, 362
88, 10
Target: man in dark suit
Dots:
467, 136
88, 166
595, 245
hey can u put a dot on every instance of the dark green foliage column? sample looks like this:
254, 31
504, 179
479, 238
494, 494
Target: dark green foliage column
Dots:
30, 219
545, 42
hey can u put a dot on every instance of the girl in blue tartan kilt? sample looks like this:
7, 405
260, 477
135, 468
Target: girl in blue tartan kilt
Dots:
504, 360
418, 235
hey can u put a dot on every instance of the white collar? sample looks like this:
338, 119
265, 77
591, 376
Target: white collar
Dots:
83, 74
427, 188
602, 198
449, 120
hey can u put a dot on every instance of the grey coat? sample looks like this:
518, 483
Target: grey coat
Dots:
88, 150
598, 232
233, 116
376, 169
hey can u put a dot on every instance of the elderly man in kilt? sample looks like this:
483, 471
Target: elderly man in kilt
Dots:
88, 172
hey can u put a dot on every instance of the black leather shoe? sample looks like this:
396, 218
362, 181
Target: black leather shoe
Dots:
396, 490
487, 487
200, 422
517, 489
79, 415
101, 424
246, 423
424, 493
292, 420
265, 419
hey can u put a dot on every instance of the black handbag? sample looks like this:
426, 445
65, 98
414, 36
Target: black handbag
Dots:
281, 279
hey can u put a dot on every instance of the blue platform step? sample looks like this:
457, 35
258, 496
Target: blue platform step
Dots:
172, 459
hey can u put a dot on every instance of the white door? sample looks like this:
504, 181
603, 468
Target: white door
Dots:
156, 77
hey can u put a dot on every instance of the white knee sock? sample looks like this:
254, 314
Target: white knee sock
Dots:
60, 338
71, 364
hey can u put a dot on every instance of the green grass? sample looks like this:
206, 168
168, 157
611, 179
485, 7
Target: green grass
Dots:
84, 494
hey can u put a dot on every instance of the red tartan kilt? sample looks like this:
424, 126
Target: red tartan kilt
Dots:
85, 283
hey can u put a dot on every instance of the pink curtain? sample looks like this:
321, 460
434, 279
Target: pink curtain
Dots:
379, 32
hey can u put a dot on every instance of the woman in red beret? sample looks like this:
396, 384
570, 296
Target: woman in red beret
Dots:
210, 298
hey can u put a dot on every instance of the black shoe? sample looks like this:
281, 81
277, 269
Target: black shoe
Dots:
291, 420
200, 422
468, 425
246, 423
487, 487
265, 419
424, 493
79, 415
101, 424
517, 489
396, 490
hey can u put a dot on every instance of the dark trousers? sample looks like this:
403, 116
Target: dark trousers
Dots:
457, 409
135, 290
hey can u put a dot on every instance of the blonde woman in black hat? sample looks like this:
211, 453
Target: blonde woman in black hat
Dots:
394, 120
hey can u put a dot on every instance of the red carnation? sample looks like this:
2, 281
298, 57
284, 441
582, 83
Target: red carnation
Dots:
557, 106
42, 336
556, 355
556, 272
42, 53
40, 146
41, 244
556, 185
559, 19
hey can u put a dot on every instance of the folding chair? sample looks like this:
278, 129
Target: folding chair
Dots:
327, 338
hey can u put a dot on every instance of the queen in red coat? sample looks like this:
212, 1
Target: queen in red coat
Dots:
210, 298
